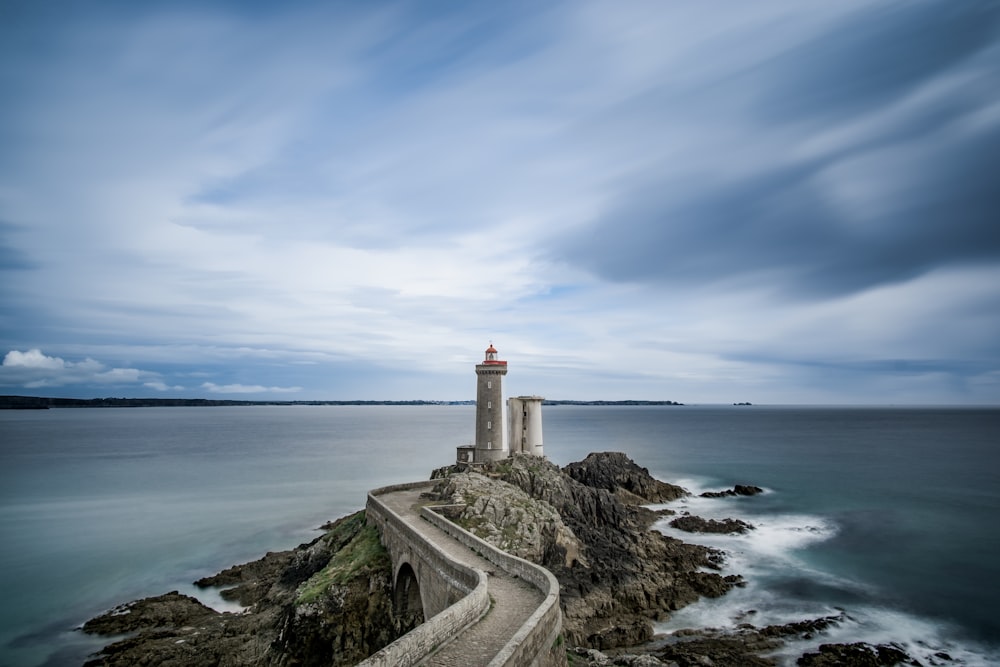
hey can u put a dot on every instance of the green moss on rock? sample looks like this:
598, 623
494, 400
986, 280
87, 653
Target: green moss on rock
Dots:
362, 554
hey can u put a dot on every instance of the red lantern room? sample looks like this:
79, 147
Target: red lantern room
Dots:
491, 356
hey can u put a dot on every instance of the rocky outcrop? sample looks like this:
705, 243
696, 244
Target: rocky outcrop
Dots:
738, 490
617, 473
743, 646
696, 524
507, 517
856, 655
179, 630
699, 647
328, 602
590, 657
615, 576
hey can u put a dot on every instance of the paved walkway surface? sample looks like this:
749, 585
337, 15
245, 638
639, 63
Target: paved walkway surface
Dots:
514, 600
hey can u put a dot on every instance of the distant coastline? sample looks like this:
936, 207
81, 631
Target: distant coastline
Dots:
44, 403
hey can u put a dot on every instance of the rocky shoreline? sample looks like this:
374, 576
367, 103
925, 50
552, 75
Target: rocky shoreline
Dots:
329, 602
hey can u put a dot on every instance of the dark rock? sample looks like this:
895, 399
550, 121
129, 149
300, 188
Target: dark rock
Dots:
738, 490
626, 576
803, 628
698, 653
170, 610
248, 584
617, 473
305, 608
696, 524
858, 654
742, 646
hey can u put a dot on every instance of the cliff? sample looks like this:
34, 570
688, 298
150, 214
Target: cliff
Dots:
328, 602
615, 576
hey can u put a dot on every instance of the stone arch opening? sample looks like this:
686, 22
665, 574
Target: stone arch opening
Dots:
408, 604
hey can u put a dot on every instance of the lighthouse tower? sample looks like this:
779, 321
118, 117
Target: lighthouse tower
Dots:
490, 445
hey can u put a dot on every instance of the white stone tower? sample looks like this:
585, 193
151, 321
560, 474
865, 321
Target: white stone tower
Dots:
526, 425
490, 445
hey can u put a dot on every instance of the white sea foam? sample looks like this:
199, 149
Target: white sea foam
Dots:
696, 485
211, 598
771, 557
927, 641
773, 541
920, 638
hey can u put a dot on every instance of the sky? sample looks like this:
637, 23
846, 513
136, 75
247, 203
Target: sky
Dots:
782, 201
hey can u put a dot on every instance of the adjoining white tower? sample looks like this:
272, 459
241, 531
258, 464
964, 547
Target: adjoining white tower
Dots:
526, 425
490, 445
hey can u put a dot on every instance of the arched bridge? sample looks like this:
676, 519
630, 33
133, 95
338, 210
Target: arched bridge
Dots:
482, 606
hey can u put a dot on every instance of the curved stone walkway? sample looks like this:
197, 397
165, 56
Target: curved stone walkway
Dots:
514, 600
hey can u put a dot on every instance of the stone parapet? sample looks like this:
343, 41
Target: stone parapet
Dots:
469, 585
536, 643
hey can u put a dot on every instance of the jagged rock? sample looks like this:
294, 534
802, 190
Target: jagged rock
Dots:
247, 584
507, 517
742, 646
305, 609
696, 524
594, 658
624, 576
738, 490
716, 651
858, 654
617, 473
172, 609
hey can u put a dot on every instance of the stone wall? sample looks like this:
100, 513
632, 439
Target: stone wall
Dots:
537, 643
459, 591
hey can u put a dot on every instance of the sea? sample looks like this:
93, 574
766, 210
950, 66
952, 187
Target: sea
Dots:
888, 517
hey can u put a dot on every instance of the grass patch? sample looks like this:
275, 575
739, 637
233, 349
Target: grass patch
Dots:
363, 552
503, 467
343, 528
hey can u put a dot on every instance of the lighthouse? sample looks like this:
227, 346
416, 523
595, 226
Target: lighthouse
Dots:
490, 445
525, 418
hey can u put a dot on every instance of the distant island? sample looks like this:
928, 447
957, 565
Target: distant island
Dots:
44, 403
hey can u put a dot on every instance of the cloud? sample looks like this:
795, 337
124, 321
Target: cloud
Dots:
629, 198
248, 389
906, 186
163, 386
35, 359
33, 370
872, 57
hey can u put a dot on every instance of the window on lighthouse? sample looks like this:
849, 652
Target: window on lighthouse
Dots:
489, 404
489, 425
489, 384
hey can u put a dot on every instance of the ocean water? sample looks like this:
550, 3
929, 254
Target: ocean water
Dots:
888, 515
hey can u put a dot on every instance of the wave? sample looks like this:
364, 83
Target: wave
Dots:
785, 585
929, 642
212, 598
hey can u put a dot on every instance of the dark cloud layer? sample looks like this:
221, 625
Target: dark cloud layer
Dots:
11, 257
927, 172
874, 57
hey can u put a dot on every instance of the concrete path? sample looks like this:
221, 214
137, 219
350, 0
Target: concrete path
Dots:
513, 600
